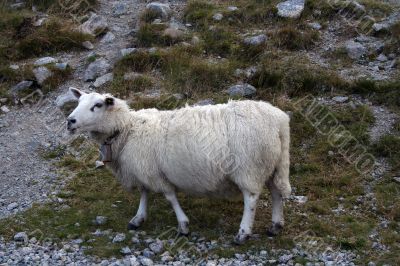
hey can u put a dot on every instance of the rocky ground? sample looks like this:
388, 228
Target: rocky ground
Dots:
27, 177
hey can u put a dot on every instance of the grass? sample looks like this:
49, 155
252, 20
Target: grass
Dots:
150, 35
384, 92
292, 38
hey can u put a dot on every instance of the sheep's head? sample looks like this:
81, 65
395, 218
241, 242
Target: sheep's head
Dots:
95, 112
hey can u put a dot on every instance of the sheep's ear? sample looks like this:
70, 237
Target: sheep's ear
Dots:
77, 93
109, 101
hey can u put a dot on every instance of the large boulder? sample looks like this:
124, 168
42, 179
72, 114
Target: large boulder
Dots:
290, 8
162, 11
96, 69
95, 25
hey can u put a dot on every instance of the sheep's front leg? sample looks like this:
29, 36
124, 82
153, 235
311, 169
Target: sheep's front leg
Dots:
250, 204
141, 214
183, 221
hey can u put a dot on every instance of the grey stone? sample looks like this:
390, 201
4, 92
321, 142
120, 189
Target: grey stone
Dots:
126, 251
39, 22
14, 67
148, 253
4, 109
300, 199
44, 61
314, 25
41, 74
162, 11
340, 99
108, 38
243, 90
397, 179
23, 85
127, 51
119, 238
382, 58
96, 69
204, 102
119, 9
100, 81
66, 102
95, 25
355, 50
146, 261
88, 45
61, 66
157, 247
255, 40
101, 220
382, 26
218, 16
290, 8
21, 237
232, 8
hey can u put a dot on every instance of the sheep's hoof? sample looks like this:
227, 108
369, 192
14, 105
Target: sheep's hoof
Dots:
240, 238
132, 226
183, 228
274, 229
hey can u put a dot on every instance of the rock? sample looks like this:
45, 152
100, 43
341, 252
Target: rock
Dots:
314, 25
157, 247
162, 11
96, 69
243, 90
397, 179
99, 164
195, 40
39, 22
44, 61
119, 9
108, 38
61, 66
382, 58
232, 8
355, 50
148, 254
119, 238
41, 74
173, 33
381, 27
103, 80
5, 109
300, 199
100, 220
126, 251
218, 16
146, 261
255, 40
23, 85
127, 51
290, 8
66, 102
340, 99
88, 45
95, 25
204, 102
21, 237
3, 100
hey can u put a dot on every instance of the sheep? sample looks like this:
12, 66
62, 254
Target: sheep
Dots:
219, 150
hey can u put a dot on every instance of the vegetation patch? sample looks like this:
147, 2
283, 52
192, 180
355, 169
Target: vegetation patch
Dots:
293, 38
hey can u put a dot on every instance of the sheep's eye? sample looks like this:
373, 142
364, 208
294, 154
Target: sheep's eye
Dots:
98, 105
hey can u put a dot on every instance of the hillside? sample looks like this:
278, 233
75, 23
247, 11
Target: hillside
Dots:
332, 65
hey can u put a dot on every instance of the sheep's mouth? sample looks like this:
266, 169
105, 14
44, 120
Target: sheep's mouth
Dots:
72, 130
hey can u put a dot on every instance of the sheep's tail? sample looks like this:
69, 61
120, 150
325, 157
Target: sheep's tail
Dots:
281, 176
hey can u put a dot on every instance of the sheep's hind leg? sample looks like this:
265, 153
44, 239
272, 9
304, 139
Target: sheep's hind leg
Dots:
141, 214
250, 204
277, 209
183, 221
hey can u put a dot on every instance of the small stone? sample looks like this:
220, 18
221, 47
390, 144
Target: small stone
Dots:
13, 205
44, 61
146, 261
382, 58
119, 238
157, 247
255, 40
397, 179
263, 253
119, 9
314, 25
243, 90
340, 99
101, 220
95, 25
204, 102
96, 69
218, 16
100, 81
42, 74
290, 8
382, 26
88, 45
300, 199
99, 164
21, 237
127, 51
23, 85
14, 67
61, 66
162, 11
147, 253
355, 50
331, 153
232, 8
39, 22
3, 100
173, 33
108, 38
126, 251
195, 40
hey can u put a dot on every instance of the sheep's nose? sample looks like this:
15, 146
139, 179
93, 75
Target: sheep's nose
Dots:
71, 121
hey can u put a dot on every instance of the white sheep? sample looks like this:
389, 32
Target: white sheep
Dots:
218, 150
